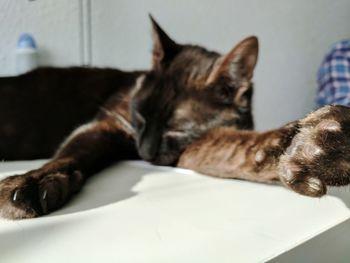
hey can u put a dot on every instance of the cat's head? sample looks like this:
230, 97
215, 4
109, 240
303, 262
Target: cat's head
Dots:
189, 91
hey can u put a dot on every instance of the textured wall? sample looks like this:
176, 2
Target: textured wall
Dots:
294, 35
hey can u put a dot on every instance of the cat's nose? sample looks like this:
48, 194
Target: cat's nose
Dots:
148, 135
147, 149
148, 143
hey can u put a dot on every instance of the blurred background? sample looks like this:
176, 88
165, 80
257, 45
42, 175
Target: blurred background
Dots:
294, 37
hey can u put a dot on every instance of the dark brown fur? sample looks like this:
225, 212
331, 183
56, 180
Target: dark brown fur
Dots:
231, 153
306, 155
189, 109
151, 115
39, 109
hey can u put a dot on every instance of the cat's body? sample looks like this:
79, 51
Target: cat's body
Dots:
40, 108
189, 109
153, 115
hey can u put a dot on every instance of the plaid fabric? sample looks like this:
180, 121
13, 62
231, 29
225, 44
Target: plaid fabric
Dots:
334, 76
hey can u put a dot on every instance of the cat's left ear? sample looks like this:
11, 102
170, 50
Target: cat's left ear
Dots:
164, 48
239, 63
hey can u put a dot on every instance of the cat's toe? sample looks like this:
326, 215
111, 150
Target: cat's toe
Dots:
301, 182
298, 165
18, 198
55, 189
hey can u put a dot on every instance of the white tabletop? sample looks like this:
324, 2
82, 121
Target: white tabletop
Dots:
135, 212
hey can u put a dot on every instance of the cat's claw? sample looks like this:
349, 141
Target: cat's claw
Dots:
43, 202
34, 194
14, 198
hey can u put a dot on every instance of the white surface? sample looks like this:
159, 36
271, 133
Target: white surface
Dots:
134, 212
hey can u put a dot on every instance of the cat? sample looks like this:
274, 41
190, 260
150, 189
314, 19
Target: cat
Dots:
192, 109
152, 115
306, 155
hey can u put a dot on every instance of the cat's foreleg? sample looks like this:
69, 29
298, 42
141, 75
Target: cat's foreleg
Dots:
306, 155
87, 150
230, 153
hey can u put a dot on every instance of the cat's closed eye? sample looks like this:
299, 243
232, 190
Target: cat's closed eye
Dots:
242, 99
224, 94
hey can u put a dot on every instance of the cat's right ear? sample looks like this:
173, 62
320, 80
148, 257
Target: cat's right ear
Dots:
239, 63
164, 48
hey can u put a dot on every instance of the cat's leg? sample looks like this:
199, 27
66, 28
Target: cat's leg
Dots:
87, 150
306, 155
230, 153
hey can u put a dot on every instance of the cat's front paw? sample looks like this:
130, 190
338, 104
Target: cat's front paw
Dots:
36, 193
319, 154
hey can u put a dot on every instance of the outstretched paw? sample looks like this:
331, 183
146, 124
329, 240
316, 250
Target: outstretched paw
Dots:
319, 154
36, 193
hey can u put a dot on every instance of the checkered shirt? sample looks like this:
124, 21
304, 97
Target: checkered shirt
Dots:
334, 76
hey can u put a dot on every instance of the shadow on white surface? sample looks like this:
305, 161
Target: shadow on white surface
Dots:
111, 185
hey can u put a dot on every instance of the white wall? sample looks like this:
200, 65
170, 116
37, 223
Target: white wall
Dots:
54, 24
294, 35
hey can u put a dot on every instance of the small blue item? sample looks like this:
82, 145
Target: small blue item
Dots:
26, 41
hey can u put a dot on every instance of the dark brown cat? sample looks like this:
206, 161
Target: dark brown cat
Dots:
153, 115
193, 101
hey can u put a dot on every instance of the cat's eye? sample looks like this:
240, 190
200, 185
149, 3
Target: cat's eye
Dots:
242, 100
225, 95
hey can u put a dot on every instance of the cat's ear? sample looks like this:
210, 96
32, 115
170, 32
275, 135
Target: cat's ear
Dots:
239, 62
164, 48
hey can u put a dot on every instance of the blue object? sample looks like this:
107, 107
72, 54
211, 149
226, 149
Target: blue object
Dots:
26, 41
